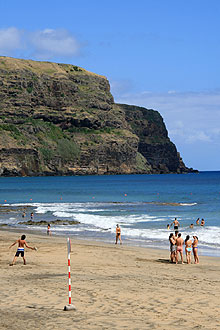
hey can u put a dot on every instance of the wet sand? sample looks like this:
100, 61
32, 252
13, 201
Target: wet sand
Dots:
113, 287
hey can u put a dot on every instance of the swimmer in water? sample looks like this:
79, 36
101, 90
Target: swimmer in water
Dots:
176, 224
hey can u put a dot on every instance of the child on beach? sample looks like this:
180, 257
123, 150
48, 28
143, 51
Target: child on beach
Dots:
20, 251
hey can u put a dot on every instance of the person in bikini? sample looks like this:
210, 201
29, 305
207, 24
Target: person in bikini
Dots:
118, 234
176, 224
195, 249
179, 248
188, 249
20, 251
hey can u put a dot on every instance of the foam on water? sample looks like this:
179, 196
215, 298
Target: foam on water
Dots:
151, 203
91, 222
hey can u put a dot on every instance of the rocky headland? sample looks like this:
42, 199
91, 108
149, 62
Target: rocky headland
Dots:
59, 119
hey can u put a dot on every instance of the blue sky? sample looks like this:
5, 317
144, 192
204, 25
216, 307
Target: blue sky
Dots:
160, 54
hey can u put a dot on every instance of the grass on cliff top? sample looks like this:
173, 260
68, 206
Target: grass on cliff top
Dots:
40, 67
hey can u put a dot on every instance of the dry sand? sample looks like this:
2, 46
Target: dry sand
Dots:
113, 287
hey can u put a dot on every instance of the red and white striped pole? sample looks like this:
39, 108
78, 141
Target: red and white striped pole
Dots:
70, 306
69, 275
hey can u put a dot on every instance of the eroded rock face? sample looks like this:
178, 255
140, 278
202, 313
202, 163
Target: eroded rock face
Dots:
59, 119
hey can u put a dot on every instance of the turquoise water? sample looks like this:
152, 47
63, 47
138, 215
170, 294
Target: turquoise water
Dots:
143, 205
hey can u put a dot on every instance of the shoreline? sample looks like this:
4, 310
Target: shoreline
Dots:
206, 252
113, 287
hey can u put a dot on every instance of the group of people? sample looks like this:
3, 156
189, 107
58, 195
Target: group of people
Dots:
202, 223
176, 224
176, 248
177, 243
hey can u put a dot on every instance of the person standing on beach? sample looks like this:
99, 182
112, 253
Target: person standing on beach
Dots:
188, 249
49, 230
20, 251
172, 247
32, 215
195, 249
176, 235
176, 224
179, 248
118, 234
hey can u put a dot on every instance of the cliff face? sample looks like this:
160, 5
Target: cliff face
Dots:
59, 119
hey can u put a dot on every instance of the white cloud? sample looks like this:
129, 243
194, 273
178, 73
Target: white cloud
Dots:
198, 137
10, 40
49, 43
192, 120
120, 86
43, 44
190, 116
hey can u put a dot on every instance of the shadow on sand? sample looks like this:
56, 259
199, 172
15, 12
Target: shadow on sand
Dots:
164, 261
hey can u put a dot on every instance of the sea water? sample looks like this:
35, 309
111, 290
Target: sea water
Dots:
142, 205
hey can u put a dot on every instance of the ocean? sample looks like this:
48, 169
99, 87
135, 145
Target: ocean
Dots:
142, 205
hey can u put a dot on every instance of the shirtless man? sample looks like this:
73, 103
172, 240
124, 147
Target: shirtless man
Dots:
118, 234
21, 244
179, 248
176, 224
197, 221
195, 249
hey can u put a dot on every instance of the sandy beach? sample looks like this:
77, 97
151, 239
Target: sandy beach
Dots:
113, 287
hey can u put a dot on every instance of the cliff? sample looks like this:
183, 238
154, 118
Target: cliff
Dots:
59, 119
